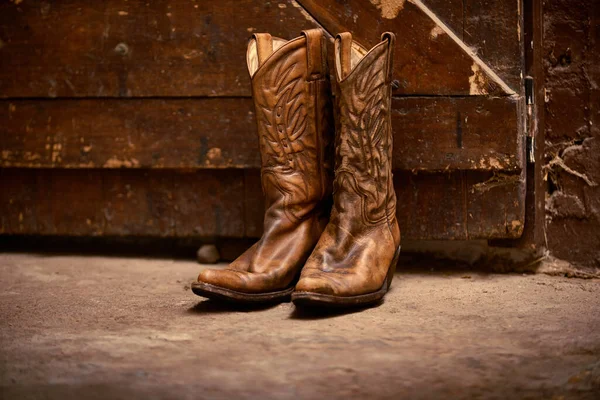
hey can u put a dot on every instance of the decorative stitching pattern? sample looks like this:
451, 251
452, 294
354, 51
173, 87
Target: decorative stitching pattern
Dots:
364, 139
287, 145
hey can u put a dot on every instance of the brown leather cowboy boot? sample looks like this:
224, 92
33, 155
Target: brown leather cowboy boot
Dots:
355, 259
292, 99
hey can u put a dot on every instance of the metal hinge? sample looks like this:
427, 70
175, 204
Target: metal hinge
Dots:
531, 124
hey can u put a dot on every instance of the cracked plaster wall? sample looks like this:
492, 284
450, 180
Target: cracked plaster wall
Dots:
572, 155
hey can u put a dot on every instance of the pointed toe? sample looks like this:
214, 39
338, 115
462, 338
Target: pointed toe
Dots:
206, 276
315, 285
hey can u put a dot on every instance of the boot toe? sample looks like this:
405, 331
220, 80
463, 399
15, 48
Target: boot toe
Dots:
239, 281
315, 284
221, 277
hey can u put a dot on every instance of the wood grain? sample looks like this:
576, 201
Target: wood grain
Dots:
133, 133
493, 28
436, 133
472, 133
111, 48
431, 206
185, 48
426, 61
495, 204
122, 202
229, 203
451, 12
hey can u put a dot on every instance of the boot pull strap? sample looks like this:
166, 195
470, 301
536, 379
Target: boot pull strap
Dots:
389, 61
264, 46
314, 53
343, 48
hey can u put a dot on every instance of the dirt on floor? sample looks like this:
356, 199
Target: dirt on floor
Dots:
93, 327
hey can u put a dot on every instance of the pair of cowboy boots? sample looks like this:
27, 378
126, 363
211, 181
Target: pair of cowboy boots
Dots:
318, 253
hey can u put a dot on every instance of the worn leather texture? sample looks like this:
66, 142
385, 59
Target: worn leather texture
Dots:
358, 245
292, 99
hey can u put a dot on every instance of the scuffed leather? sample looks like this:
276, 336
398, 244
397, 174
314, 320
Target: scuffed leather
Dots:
358, 245
292, 102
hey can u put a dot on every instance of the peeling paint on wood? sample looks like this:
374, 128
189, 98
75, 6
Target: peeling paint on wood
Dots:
389, 8
435, 32
486, 70
304, 13
477, 81
114, 162
56, 153
214, 156
497, 180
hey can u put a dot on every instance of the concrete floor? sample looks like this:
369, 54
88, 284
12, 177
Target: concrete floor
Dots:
91, 327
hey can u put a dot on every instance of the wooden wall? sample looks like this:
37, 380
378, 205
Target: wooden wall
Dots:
135, 118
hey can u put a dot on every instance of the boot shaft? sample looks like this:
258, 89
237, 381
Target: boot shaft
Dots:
292, 99
363, 158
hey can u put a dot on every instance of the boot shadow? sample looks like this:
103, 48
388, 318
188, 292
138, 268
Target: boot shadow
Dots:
210, 306
316, 313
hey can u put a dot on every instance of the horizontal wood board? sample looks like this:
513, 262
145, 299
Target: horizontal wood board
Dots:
174, 48
439, 133
229, 203
138, 48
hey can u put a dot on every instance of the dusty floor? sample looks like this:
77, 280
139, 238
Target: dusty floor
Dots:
100, 327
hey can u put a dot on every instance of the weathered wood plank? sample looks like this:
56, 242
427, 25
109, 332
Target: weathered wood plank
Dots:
229, 203
435, 133
122, 202
75, 48
136, 133
62, 204
134, 203
431, 206
495, 204
207, 204
494, 29
460, 205
427, 60
18, 196
180, 48
451, 12
472, 133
